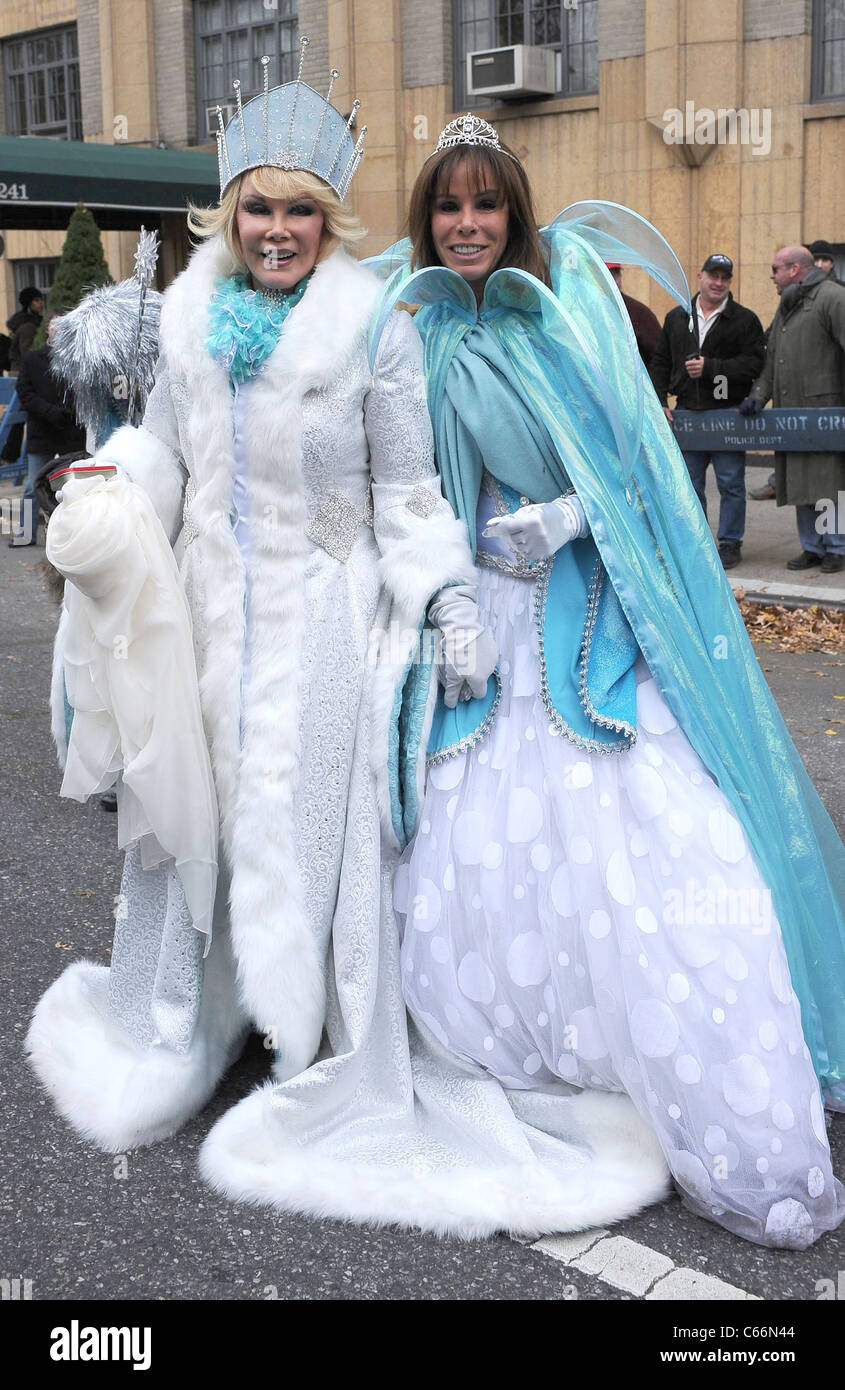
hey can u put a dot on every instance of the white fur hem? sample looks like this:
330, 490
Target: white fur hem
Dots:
245, 1157
113, 1092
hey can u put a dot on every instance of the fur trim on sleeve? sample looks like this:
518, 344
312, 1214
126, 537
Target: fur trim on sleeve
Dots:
155, 468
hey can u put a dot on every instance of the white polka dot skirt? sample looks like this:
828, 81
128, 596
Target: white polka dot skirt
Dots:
601, 921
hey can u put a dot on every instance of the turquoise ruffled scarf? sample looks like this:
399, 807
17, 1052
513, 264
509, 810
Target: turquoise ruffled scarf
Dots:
246, 324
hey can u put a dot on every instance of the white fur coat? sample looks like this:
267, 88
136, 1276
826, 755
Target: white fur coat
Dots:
282, 642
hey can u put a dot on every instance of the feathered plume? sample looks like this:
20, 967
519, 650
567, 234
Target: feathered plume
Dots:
94, 350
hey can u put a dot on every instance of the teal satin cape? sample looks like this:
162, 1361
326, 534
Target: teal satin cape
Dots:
587, 649
572, 352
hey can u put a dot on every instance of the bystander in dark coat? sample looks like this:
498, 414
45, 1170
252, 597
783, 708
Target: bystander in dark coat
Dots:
805, 366
645, 324
733, 355
51, 425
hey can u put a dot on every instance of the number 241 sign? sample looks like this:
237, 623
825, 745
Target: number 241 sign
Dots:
14, 192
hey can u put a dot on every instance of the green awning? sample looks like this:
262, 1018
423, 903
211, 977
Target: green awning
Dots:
38, 175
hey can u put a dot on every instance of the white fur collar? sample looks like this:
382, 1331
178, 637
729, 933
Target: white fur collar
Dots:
320, 334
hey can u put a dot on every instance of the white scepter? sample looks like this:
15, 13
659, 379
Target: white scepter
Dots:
146, 257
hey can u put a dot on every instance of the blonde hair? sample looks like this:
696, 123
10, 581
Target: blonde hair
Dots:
341, 227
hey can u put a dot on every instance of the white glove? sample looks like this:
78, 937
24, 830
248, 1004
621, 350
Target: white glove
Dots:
540, 529
468, 651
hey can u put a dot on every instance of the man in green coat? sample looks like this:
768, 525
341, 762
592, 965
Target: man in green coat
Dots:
805, 366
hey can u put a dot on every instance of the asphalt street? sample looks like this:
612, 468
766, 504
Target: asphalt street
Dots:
77, 1230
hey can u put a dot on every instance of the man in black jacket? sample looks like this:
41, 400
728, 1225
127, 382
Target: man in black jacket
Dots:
709, 367
51, 428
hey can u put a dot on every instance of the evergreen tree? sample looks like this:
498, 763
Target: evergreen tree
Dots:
82, 267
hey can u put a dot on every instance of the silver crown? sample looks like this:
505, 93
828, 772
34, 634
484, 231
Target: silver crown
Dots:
469, 130
308, 133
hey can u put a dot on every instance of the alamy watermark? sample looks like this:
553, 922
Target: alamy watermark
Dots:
830, 516
701, 125
718, 906
15, 1290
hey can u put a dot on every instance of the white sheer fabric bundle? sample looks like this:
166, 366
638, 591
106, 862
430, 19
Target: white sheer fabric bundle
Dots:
131, 681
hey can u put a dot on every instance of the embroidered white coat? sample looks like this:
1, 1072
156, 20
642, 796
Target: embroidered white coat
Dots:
286, 687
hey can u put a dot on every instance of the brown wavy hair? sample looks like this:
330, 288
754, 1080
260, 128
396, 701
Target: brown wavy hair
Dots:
523, 249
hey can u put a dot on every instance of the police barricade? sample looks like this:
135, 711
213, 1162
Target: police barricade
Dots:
792, 429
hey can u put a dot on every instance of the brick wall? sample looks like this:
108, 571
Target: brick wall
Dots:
173, 28
426, 42
314, 21
90, 79
621, 28
775, 19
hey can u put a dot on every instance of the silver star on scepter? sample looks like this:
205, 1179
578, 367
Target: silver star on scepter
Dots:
146, 257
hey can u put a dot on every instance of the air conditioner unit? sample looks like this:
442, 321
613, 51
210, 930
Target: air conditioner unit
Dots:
211, 126
509, 73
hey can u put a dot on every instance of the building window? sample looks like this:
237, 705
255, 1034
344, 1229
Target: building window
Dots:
231, 38
42, 84
570, 29
40, 273
828, 49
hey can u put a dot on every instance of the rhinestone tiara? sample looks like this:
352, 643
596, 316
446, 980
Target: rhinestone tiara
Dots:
470, 130
291, 127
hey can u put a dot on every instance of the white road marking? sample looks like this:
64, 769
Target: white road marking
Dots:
625, 1264
688, 1283
569, 1247
635, 1268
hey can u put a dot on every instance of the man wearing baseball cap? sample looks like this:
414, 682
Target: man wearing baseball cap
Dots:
708, 367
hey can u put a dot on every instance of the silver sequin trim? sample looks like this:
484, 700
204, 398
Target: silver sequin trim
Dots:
588, 744
469, 740
519, 567
621, 726
335, 525
189, 530
421, 502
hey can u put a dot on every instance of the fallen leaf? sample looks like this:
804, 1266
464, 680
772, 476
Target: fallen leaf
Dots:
811, 629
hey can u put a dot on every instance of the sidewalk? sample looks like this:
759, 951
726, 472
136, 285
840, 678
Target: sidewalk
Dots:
770, 540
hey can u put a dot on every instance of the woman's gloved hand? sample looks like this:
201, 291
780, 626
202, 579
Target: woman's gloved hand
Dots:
468, 651
540, 529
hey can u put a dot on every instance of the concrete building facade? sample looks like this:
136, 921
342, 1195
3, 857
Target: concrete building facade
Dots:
767, 171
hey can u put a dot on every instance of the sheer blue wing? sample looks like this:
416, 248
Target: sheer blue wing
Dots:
387, 262
432, 285
619, 234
